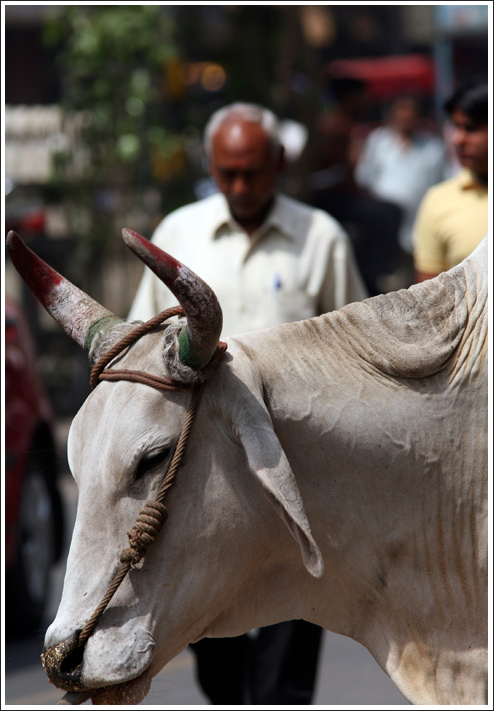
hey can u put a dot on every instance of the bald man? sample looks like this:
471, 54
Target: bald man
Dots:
270, 260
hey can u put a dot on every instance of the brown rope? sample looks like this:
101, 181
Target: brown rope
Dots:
153, 514
112, 589
144, 531
127, 341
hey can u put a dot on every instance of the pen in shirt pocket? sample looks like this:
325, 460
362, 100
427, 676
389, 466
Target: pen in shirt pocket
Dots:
276, 286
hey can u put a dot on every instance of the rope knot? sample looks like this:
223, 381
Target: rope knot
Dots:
144, 531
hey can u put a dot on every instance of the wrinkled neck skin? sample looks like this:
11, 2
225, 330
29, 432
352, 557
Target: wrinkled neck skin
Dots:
384, 428
392, 417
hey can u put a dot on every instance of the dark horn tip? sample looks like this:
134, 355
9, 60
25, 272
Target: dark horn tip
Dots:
130, 237
12, 238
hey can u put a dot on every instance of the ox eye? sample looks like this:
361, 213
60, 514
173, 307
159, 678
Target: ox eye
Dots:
148, 464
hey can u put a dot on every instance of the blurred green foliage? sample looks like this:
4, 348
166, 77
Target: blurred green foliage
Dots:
112, 62
114, 66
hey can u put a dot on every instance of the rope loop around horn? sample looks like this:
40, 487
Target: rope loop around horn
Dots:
99, 371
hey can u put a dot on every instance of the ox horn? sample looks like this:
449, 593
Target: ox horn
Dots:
79, 315
198, 341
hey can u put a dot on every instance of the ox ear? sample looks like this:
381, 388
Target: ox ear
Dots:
269, 464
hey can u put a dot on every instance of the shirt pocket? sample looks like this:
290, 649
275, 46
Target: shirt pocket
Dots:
294, 305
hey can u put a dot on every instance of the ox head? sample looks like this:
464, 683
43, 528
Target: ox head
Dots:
211, 567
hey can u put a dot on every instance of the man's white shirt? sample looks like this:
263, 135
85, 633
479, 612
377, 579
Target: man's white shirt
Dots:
297, 265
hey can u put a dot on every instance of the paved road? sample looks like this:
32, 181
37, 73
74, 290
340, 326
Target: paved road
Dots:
347, 675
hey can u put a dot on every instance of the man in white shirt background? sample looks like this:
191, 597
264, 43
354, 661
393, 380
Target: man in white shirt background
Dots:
399, 162
270, 260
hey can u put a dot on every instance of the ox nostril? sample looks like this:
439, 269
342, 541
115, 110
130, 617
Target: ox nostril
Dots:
72, 661
63, 663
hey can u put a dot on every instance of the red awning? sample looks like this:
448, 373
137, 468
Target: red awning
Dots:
388, 76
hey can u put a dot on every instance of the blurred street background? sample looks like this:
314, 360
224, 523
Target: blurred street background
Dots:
105, 108
103, 118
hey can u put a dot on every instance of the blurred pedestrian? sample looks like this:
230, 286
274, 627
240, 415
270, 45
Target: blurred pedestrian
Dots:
453, 217
399, 163
371, 223
270, 260
338, 145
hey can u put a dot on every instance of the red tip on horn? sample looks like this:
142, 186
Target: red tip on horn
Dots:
80, 316
163, 264
38, 275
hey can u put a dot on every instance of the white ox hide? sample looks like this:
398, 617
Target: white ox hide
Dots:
366, 428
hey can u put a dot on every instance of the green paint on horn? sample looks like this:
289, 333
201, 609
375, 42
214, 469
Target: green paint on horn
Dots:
188, 354
104, 324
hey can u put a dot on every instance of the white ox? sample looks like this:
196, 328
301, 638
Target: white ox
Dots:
365, 428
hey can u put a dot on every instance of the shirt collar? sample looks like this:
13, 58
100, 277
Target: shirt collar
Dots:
222, 214
278, 217
281, 218
468, 181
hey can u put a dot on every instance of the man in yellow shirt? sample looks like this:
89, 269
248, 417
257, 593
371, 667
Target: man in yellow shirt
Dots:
453, 216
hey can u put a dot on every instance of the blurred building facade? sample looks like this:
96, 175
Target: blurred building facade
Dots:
335, 32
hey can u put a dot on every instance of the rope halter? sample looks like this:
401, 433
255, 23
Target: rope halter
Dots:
153, 514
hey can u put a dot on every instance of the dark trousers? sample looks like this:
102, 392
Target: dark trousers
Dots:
276, 667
